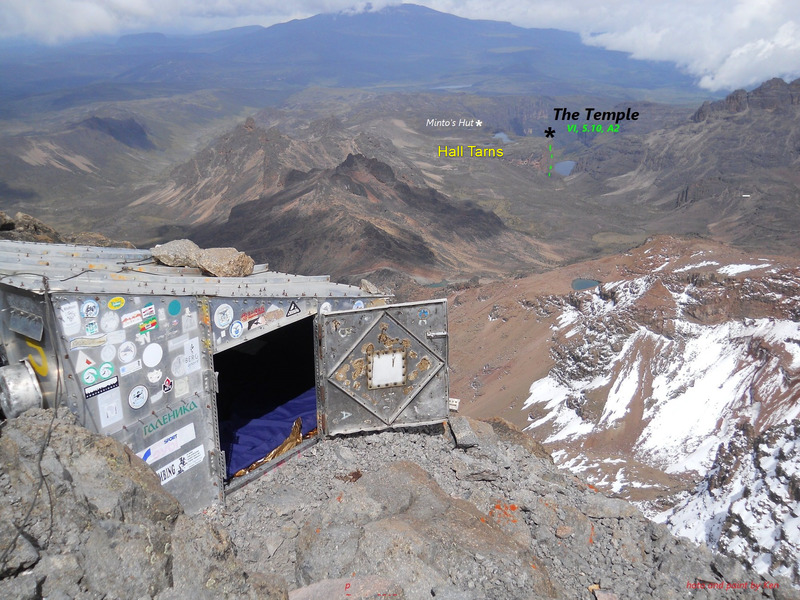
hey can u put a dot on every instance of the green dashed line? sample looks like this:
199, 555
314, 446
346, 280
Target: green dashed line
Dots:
549, 173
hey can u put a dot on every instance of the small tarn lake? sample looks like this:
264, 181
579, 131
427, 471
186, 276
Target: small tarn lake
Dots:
584, 284
564, 167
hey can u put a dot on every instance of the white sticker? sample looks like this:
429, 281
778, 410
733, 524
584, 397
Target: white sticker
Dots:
152, 355
154, 376
70, 318
179, 366
109, 322
130, 368
181, 387
88, 341
116, 337
83, 362
325, 308
127, 352
132, 318
167, 445
189, 320
108, 353
181, 465
236, 329
191, 355
358, 305
223, 316
90, 309
148, 311
138, 397
109, 405
156, 397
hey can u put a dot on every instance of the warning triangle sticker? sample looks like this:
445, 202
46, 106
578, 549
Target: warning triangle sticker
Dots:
83, 362
293, 309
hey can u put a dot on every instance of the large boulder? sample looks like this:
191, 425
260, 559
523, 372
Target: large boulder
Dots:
82, 517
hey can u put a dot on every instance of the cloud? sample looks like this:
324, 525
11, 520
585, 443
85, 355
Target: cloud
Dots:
723, 43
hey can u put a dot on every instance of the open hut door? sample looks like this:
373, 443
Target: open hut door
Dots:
382, 367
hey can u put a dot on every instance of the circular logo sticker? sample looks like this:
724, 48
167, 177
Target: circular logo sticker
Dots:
137, 397
116, 303
90, 376
152, 355
90, 309
236, 329
108, 353
178, 366
223, 316
127, 352
325, 308
358, 304
106, 370
109, 322
174, 308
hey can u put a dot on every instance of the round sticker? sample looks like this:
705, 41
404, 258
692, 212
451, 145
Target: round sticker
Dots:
127, 352
325, 308
178, 366
90, 376
174, 308
106, 370
358, 304
108, 353
152, 355
223, 316
109, 322
154, 376
90, 309
137, 397
236, 329
116, 303
157, 396
423, 313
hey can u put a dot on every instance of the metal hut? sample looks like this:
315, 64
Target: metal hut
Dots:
208, 379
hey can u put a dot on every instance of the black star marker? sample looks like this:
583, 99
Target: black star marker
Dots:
549, 132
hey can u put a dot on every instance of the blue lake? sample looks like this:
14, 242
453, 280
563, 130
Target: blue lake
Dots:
564, 167
584, 284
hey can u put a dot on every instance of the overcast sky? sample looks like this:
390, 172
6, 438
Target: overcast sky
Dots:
725, 43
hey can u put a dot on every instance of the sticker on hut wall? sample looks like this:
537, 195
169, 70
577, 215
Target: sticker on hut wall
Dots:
106, 370
127, 352
157, 396
83, 362
100, 388
116, 303
70, 318
178, 365
191, 354
358, 304
181, 465
293, 309
154, 376
189, 320
167, 387
109, 405
174, 308
90, 309
152, 355
89, 376
92, 328
108, 353
181, 387
169, 444
88, 342
131, 318
138, 397
250, 315
237, 328
223, 316
109, 322
325, 308
130, 368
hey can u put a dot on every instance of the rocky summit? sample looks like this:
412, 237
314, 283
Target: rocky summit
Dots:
470, 510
